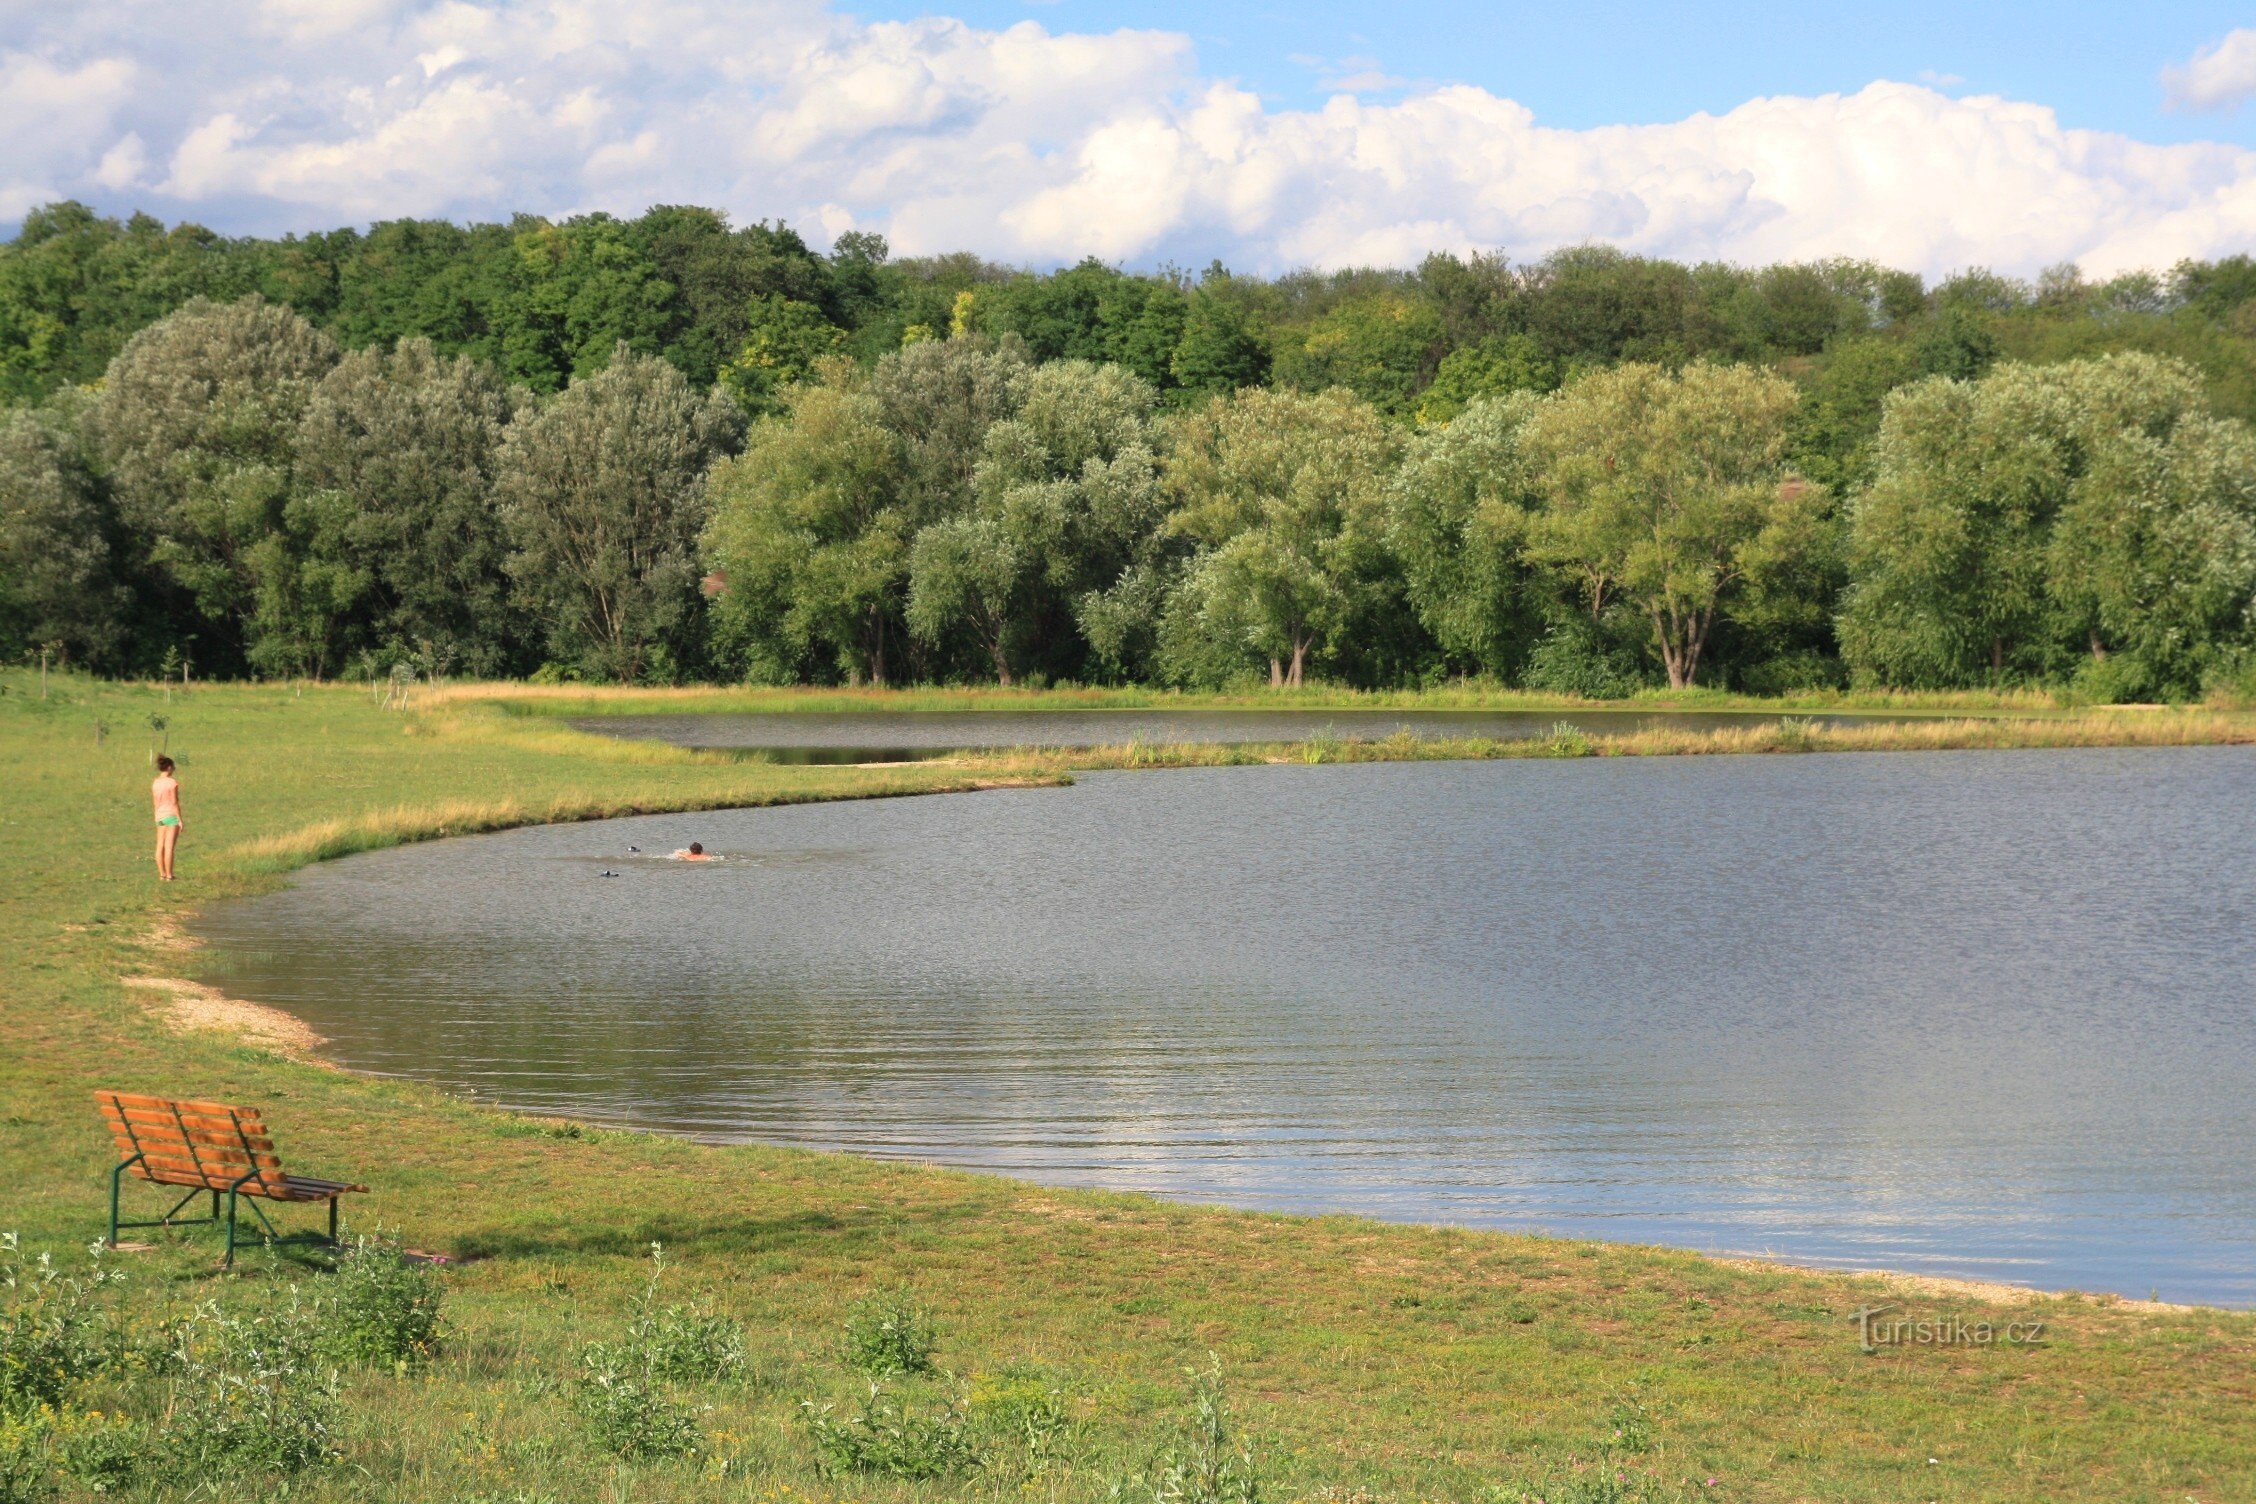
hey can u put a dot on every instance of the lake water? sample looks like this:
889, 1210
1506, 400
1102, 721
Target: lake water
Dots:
864, 736
1988, 1014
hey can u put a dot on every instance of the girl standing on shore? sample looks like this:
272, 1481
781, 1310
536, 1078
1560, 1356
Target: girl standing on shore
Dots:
165, 791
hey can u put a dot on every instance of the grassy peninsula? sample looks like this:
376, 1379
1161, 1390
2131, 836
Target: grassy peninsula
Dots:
1356, 1361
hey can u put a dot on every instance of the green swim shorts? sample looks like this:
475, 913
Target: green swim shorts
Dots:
168, 819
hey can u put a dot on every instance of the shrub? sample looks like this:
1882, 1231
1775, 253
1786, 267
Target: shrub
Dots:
378, 1308
1567, 740
622, 1391
628, 1413
1576, 658
252, 1392
1028, 1408
1797, 734
27, 1468
676, 1342
884, 1438
1209, 1465
53, 1332
890, 1334
101, 1451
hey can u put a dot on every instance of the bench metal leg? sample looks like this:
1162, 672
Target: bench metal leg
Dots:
332, 1221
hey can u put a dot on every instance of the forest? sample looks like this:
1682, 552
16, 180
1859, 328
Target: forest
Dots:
670, 449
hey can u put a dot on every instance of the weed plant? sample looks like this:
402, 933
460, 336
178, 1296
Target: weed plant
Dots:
380, 1309
885, 1437
889, 1334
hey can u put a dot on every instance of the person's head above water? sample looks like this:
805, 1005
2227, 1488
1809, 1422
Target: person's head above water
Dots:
164, 764
695, 849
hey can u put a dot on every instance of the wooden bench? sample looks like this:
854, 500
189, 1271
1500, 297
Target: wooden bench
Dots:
204, 1147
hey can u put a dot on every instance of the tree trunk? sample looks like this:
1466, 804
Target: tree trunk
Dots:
873, 636
1997, 656
1672, 658
2099, 649
1299, 662
1276, 672
1002, 664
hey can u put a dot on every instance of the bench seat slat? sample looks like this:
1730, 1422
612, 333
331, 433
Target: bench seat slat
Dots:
169, 1105
198, 1145
185, 1122
210, 1159
166, 1167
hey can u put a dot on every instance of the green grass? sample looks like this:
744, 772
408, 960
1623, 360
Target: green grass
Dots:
599, 700
1402, 1362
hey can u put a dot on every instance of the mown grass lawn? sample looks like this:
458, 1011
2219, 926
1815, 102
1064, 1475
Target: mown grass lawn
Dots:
1359, 1360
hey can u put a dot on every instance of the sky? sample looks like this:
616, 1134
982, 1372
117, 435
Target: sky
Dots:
1323, 133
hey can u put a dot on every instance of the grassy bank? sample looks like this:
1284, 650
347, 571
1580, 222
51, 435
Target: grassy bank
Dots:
1360, 1360
598, 700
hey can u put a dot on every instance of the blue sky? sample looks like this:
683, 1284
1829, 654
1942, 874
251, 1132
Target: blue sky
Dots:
1608, 61
1327, 133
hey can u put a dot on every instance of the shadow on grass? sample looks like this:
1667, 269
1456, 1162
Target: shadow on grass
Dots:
631, 1237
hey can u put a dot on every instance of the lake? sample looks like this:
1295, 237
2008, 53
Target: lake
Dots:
907, 736
1988, 1014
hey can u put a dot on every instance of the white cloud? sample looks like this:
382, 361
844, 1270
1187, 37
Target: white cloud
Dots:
122, 165
1029, 144
2218, 77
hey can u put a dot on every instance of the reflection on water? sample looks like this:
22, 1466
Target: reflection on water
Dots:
867, 736
1973, 1013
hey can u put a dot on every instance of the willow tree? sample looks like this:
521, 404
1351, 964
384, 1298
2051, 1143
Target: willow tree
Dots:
1672, 491
2043, 518
1286, 494
809, 542
198, 419
58, 573
404, 446
1458, 515
603, 491
1065, 489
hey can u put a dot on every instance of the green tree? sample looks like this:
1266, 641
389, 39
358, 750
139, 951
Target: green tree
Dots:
783, 341
809, 541
1673, 492
1219, 350
58, 576
603, 492
1458, 514
1286, 492
402, 449
579, 291
198, 420
940, 397
2045, 517
1065, 489
1492, 368
2154, 552
1382, 348
1838, 421
1596, 304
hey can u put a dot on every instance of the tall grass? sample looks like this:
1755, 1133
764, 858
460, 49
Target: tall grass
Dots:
582, 700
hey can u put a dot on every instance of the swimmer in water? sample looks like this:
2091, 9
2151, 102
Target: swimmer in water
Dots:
693, 853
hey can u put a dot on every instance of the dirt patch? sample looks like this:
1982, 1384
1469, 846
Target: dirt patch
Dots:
194, 1007
1937, 1287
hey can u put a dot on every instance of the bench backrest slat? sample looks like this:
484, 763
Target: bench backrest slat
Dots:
190, 1143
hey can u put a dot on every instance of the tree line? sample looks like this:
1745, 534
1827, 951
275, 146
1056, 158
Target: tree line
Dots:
665, 449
